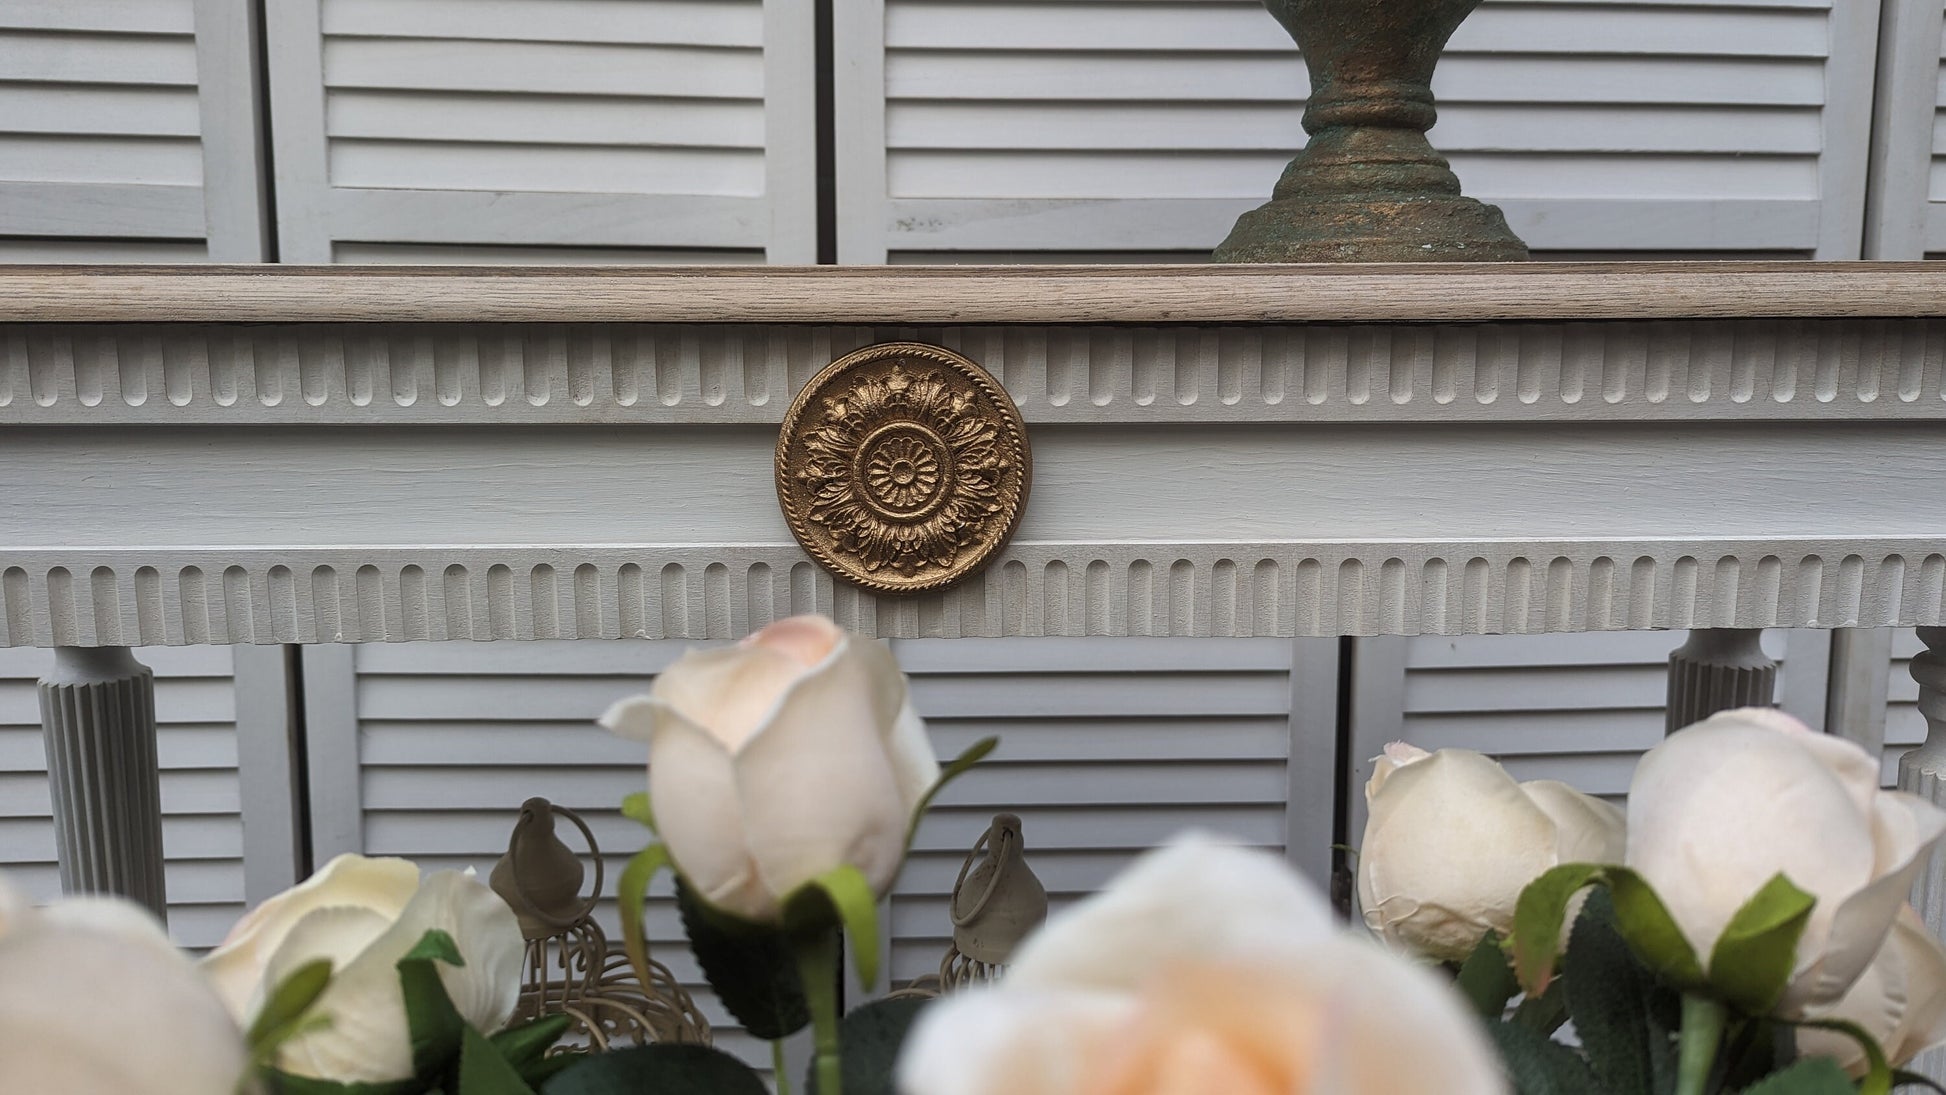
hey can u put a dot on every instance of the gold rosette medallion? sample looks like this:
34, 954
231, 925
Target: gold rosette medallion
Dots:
903, 467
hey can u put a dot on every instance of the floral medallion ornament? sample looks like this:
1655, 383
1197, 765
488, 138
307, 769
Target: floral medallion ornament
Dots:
903, 467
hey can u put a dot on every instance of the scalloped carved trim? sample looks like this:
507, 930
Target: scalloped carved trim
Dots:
141, 598
555, 373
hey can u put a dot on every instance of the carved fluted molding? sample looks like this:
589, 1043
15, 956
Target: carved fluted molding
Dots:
1717, 669
98, 712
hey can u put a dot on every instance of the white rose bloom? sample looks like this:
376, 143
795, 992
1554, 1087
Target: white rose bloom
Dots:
94, 1000
1202, 968
1721, 807
364, 915
1452, 839
1900, 1001
781, 758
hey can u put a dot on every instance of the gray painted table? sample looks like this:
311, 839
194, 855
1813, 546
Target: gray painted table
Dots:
295, 455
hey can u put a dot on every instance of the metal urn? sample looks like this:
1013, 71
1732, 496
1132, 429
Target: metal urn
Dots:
997, 900
569, 967
1369, 187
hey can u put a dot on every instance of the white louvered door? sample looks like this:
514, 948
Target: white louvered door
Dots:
1035, 127
129, 132
544, 130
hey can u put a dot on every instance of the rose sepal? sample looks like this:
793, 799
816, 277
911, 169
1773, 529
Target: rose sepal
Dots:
1749, 967
448, 1054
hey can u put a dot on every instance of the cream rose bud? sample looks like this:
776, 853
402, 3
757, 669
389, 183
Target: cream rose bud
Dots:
776, 760
1721, 807
94, 1000
1202, 968
1900, 1001
364, 915
1452, 839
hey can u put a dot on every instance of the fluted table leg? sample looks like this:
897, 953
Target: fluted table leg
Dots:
98, 713
1717, 669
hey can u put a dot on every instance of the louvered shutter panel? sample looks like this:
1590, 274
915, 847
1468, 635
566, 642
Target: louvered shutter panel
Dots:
128, 132
1107, 747
544, 130
444, 741
202, 824
1578, 708
1012, 128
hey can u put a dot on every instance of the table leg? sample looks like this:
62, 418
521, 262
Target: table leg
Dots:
98, 713
1719, 668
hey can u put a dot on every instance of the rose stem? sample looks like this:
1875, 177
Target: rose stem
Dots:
1702, 1033
779, 1071
817, 967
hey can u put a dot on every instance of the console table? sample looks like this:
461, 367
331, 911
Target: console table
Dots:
321, 455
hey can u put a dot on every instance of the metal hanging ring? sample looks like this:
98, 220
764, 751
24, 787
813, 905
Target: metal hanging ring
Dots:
993, 880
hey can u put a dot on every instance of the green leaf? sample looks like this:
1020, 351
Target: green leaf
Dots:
632, 892
436, 945
843, 895
1538, 917
435, 1025
1902, 1078
1651, 932
1538, 1065
1878, 1078
524, 1044
637, 808
284, 1011
292, 997
483, 1071
974, 754
1754, 1049
750, 966
1810, 1076
869, 1038
1485, 978
1544, 1013
661, 1068
1753, 959
1625, 1019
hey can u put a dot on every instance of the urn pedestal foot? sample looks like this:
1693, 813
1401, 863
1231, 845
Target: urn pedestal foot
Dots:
98, 717
1369, 187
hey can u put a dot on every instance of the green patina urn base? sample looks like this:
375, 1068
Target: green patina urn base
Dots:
1375, 228
1369, 187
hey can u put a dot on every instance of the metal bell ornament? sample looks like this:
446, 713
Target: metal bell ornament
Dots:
997, 901
569, 967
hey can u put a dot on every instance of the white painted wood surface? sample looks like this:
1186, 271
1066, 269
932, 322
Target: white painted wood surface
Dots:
1126, 125
682, 126
1446, 479
1905, 215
